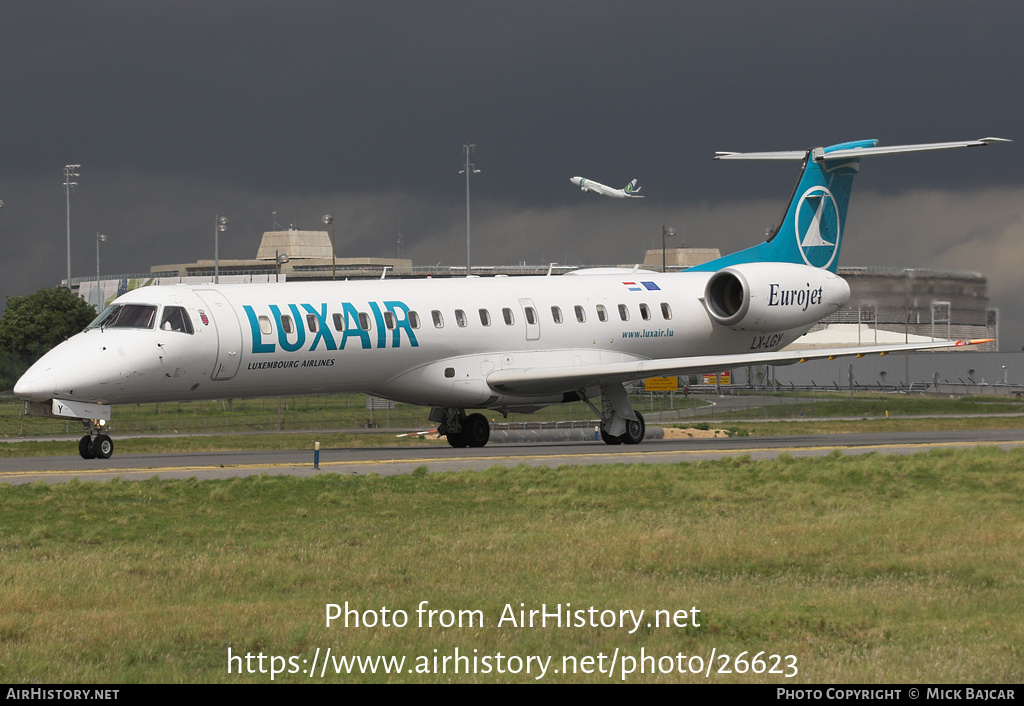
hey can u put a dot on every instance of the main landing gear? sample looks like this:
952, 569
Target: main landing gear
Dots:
620, 423
634, 433
95, 444
461, 430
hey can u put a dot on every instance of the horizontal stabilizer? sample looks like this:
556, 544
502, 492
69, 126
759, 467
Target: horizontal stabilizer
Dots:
847, 152
787, 155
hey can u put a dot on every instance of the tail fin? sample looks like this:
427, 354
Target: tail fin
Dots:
631, 187
811, 230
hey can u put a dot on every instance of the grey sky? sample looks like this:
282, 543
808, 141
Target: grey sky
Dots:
178, 111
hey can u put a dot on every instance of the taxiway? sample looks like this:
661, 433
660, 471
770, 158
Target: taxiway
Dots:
397, 460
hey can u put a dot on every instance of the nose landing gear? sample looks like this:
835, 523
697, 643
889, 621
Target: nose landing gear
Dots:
95, 444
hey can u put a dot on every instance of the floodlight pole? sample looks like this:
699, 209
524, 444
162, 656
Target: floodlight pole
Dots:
665, 233
279, 258
467, 169
329, 220
69, 173
100, 238
220, 224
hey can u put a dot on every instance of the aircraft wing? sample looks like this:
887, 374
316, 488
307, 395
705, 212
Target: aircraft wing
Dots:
566, 379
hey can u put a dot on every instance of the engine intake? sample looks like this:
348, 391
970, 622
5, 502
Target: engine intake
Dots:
728, 297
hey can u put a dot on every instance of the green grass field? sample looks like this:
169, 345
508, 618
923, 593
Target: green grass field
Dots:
866, 569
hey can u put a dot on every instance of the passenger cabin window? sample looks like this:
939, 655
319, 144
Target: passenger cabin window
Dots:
125, 316
438, 320
460, 318
623, 312
389, 320
175, 318
581, 315
485, 317
531, 315
645, 312
666, 311
506, 314
602, 313
311, 322
286, 324
414, 319
364, 321
265, 327
556, 314
339, 323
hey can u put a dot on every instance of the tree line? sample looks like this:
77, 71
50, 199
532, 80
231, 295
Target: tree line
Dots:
33, 324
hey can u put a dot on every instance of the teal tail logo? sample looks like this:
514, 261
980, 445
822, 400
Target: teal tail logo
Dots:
817, 230
812, 228
811, 232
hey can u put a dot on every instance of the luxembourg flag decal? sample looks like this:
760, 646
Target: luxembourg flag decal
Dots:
642, 286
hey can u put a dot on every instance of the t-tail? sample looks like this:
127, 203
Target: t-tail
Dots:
811, 230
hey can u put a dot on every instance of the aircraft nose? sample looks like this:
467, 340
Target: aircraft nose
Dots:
36, 385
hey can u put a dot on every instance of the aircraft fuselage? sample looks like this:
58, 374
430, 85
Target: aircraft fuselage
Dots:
429, 341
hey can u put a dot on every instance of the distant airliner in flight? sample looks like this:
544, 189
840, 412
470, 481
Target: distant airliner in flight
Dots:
532, 341
629, 191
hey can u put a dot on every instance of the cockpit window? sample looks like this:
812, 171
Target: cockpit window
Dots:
175, 318
125, 316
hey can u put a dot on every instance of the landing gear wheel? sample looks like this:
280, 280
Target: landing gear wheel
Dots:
102, 446
634, 430
476, 430
456, 439
609, 439
85, 447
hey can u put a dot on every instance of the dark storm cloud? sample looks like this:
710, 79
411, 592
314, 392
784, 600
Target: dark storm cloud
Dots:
380, 95
182, 110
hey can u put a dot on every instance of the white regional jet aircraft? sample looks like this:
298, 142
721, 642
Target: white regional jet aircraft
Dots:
629, 191
501, 343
